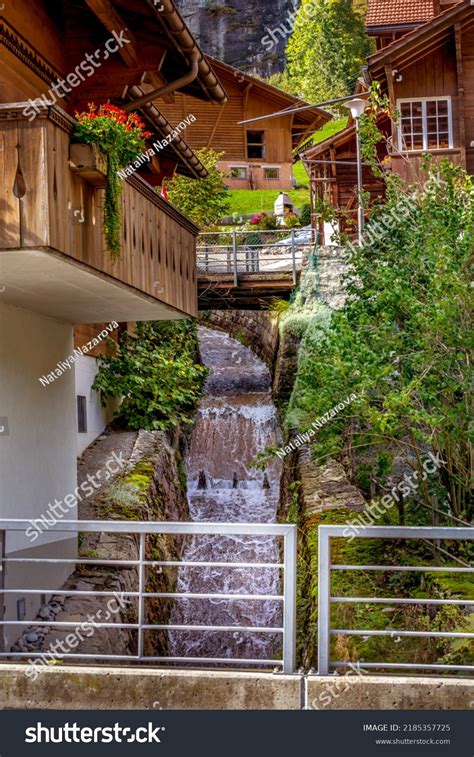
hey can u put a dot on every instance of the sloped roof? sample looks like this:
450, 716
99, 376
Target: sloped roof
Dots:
417, 42
382, 13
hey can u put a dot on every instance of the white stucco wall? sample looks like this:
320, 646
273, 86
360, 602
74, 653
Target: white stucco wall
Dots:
38, 455
97, 416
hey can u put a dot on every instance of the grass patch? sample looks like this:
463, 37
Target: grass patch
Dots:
245, 201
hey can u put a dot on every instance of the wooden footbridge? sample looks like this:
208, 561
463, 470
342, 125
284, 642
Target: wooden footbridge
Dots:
245, 270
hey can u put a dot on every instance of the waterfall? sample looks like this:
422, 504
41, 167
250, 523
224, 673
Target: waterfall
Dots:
236, 420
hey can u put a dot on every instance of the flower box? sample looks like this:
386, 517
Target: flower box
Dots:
88, 161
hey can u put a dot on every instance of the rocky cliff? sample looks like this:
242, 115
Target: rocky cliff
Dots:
247, 34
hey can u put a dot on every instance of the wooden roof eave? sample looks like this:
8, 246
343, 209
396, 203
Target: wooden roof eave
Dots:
418, 42
185, 155
177, 30
280, 97
337, 140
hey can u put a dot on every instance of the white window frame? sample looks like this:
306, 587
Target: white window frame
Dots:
239, 168
424, 101
271, 168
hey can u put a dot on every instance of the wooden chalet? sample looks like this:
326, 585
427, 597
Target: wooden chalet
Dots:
257, 155
428, 75
60, 57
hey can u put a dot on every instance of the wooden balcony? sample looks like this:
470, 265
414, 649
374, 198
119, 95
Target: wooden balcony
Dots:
52, 251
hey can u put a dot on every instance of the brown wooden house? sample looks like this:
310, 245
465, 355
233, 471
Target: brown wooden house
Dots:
257, 155
428, 75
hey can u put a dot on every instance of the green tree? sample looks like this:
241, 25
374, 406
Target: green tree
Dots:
156, 372
326, 49
403, 342
204, 201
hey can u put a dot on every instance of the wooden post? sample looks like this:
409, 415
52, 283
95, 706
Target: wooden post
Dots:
460, 78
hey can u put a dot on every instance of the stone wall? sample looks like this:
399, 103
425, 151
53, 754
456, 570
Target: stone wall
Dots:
151, 488
328, 272
254, 328
325, 487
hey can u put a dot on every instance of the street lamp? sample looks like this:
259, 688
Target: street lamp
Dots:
357, 106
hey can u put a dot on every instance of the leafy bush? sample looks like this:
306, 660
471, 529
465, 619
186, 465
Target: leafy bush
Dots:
305, 214
204, 201
264, 221
291, 220
157, 374
402, 342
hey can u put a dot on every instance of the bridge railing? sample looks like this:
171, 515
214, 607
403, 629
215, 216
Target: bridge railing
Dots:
326, 601
253, 252
20, 580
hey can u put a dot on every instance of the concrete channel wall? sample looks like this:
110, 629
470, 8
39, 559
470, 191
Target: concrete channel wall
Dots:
103, 688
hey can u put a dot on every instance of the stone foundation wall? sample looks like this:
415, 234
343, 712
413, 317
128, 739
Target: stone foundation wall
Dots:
330, 269
150, 489
255, 328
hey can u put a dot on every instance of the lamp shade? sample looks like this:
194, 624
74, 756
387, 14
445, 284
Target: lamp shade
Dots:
357, 106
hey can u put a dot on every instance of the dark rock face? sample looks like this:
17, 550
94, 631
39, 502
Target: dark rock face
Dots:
247, 34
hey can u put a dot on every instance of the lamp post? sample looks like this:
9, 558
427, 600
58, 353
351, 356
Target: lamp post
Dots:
357, 106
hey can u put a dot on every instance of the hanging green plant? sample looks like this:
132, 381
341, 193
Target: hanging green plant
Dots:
121, 136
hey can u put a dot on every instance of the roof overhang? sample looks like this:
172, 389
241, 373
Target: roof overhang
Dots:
390, 28
341, 138
55, 285
421, 41
312, 118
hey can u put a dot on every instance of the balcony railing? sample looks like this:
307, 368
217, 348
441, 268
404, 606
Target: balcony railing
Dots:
46, 205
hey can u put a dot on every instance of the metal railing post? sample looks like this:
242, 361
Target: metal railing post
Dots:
293, 255
324, 607
3, 536
141, 597
234, 256
289, 606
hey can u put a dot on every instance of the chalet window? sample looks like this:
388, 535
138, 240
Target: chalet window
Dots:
425, 124
256, 144
271, 173
81, 415
238, 172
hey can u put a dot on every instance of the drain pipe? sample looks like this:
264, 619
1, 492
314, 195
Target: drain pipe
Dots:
171, 86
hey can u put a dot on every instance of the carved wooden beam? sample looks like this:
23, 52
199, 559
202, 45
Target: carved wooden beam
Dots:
113, 22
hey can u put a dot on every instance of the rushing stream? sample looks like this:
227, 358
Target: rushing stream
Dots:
236, 420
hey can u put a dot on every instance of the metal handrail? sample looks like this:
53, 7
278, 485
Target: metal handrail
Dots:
325, 599
248, 257
142, 529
